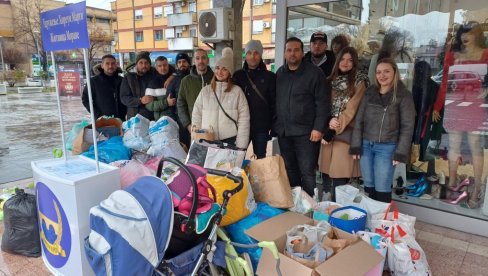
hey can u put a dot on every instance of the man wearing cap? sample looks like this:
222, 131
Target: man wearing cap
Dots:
200, 75
134, 84
319, 55
160, 105
303, 103
259, 86
105, 90
183, 63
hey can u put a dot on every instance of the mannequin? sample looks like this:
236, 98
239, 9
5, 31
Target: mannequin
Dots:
464, 113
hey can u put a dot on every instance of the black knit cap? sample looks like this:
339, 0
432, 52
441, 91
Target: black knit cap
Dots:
143, 55
182, 55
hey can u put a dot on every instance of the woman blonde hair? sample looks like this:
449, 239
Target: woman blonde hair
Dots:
396, 77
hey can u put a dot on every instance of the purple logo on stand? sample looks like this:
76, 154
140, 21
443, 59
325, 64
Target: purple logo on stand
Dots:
53, 227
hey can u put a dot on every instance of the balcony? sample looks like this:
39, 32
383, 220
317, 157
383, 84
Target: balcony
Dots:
182, 43
182, 19
174, 1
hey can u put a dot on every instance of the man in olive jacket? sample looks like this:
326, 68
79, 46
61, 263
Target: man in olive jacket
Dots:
302, 113
200, 75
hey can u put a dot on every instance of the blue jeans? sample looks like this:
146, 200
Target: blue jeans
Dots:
259, 144
377, 165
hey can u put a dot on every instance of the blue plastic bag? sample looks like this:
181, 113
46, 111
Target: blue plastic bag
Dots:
74, 132
237, 230
109, 151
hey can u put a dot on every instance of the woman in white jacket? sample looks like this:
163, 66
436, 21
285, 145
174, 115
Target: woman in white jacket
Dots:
222, 106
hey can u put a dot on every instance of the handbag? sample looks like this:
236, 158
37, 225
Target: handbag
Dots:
215, 155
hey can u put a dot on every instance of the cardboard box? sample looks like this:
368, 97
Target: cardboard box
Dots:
356, 259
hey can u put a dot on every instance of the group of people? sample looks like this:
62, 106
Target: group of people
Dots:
317, 104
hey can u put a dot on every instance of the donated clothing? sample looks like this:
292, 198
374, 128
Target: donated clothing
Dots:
189, 89
207, 113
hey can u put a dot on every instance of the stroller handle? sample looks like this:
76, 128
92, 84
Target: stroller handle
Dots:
190, 224
237, 179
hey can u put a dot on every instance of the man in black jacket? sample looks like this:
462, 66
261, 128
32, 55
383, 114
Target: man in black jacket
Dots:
105, 88
259, 86
302, 113
319, 55
183, 63
133, 88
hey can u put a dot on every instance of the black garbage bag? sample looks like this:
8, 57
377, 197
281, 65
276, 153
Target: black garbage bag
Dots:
21, 234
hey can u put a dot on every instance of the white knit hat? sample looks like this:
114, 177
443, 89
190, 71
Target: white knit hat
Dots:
227, 60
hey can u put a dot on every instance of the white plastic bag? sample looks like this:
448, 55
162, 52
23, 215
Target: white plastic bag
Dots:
406, 257
170, 149
136, 134
384, 223
162, 132
130, 171
345, 194
303, 203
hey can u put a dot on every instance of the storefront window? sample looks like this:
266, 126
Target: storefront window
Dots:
440, 47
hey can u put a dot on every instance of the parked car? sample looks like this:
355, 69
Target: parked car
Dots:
464, 81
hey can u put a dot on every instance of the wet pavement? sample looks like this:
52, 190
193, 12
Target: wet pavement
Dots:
29, 130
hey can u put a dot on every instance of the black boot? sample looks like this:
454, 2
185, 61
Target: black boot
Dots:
370, 191
383, 197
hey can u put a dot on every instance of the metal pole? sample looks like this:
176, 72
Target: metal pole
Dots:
121, 61
92, 115
59, 106
3, 63
134, 28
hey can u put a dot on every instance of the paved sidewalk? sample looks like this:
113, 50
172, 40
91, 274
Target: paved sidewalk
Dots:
29, 130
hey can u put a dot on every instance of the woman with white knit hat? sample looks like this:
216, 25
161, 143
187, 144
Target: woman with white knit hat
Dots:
222, 106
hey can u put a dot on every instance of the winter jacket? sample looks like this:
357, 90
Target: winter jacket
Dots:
159, 106
261, 112
382, 120
133, 88
189, 89
105, 96
325, 66
303, 100
207, 113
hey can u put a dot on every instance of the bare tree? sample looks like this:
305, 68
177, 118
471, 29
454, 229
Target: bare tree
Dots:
27, 25
98, 40
12, 55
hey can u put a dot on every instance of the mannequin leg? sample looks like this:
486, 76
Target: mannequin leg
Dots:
478, 162
455, 139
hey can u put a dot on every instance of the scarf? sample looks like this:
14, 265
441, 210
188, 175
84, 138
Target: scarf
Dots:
341, 94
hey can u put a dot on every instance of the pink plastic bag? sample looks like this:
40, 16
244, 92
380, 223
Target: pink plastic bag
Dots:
130, 171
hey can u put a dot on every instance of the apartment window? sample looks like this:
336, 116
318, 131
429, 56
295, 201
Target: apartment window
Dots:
179, 31
138, 14
169, 33
158, 12
139, 36
257, 2
273, 30
193, 32
192, 7
167, 10
178, 8
158, 35
257, 26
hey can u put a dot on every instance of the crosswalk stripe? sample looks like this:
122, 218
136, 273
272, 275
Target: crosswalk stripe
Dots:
465, 104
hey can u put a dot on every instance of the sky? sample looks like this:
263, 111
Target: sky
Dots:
102, 4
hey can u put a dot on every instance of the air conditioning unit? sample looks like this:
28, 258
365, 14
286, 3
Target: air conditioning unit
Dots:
216, 25
266, 25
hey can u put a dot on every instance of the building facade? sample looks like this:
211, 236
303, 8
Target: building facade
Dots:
165, 27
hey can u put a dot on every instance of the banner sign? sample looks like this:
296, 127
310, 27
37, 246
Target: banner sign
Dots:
69, 84
65, 28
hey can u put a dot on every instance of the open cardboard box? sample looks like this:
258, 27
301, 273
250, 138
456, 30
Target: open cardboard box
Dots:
356, 259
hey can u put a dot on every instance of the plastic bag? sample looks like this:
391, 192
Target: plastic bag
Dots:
323, 209
240, 205
75, 130
162, 133
302, 201
21, 234
376, 241
130, 171
406, 257
136, 135
110, 151
237, 231
172, 148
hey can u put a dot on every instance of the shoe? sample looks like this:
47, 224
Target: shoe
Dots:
442, 178
419, 191
461, 197
463, 183
417, 184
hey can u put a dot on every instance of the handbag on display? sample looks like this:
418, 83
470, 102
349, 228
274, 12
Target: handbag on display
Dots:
215, 155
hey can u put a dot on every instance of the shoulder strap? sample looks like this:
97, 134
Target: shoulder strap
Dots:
256, 89
223, 110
